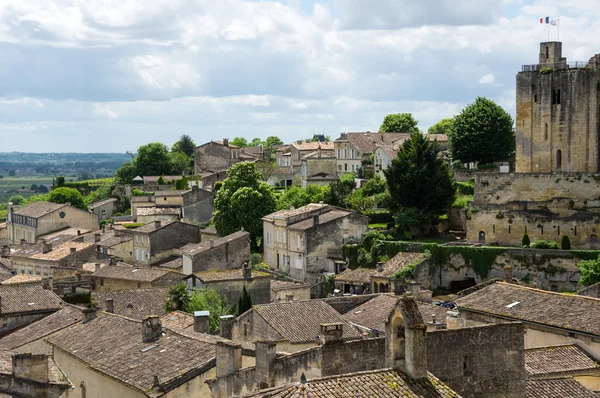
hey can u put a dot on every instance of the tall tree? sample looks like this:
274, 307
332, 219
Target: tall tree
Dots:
256, 142
272, 141
240, 141
211, 301
590, 272
418, 178
340, 190
444, 126
185, 145
153, 159
242, 201
399, 123
67, 195
125, 173
181, 162
483, 132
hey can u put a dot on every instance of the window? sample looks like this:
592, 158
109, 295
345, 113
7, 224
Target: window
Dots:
298, 241
101, 282
276, 236
558, 230
137, 254
139, 285
509, 229
494, 229
545, 131
339, 167
284, 236
535, 98
345, 166
299, 261
558, 97
558, 159
547, 52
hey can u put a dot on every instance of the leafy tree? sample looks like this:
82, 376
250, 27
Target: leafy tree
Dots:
525, 242
242, 201
419, 179
358, 202
374, 186
545, 244
161, 181
181, 162
126, 173
256, 142
60, 181
483, 132
67, 195
444, 126
209, 300
399, 123
102, 193
339, 190
565, 243
590, 272
37, 198
17, 200
181, 184
297, 196
272, 141
177, 298
240, 141
153, 159
244, 302
185, 145
266, 168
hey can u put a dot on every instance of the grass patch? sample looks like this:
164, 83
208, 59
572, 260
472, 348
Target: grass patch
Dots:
379, 225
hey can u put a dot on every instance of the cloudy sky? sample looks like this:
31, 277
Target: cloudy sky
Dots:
108, 76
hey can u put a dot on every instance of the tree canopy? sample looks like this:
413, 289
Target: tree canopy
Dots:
297, 196
483, 132
17, 200
444, 126
242, 201
67, 195
153, 159
272, 141
399, 123
590, 272
418, 178
340, 190
125, 173
240, 141
185, 145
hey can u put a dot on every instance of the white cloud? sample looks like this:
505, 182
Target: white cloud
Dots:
487, 79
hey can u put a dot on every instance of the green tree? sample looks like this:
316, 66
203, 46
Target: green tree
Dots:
339, 190
102, 193
182, 184
185, 145
209, 300
242, 201
418, 178
12, 172
525, 241
244, 302
374, 186
297, 196
444, 126
256, 142
240, 141
358, 202
483, 132
17, 200
399, 123
60, 181
67, 195
177, 298
181, 162
590, 272
126, 173
272, 141
153, 159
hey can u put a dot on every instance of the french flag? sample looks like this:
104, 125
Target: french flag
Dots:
545, 20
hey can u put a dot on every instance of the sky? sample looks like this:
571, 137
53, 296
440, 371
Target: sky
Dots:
111, 75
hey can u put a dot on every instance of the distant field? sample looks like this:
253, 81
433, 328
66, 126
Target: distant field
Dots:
9, 185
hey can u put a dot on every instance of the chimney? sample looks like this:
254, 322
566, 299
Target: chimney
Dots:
73, 253
331, 333
129, 310
414, 288
399, 287
229, 358
96, 237
508, 274
265, 364
45, 283
157, 224
73, 250
110, 305
315, 220
78, 232
226, 141
201, 321
112, 261
151, 329
97, 267
289, 297
299, 142
103, 228
46, 247
31, 367
380, 267
212, 243
5, 251
453, 320
246, 272
88, 314
226, 326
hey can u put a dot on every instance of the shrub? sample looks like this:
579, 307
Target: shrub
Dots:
525, 242
565, 243
545, 244
132, 225
256, 258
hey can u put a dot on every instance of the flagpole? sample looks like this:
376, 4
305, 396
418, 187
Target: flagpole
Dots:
558, 26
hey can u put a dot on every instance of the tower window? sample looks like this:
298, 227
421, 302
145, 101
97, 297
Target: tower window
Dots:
558, 159
558, 96
546, 131
535, 98
547, 53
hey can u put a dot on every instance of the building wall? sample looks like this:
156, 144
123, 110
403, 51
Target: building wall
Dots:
112, 285
381, 161
24, 265
171, 237
108, 208
198, 207
315, 165
10, 322
214, 157
141, 201
257, 288
297, 293
348, 158
123, 250
35, 347
156, 217
196, 387
228, 256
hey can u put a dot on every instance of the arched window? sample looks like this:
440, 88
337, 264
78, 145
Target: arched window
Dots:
558, 159
593, 242
481, 237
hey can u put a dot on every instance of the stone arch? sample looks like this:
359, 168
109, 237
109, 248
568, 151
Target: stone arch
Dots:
375, 288
558, 159
593, 242
396, 338
481, 237
382, 288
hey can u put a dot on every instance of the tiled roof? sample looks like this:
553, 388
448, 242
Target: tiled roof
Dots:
27, 298
227, 275
591, 291
194, 249
393, 265
366, 142
55, 375
555, 360
113, 345
565, 311
22, 278
285, 285
5, 265
170, 263
38, 209
376, 311
61, 319
102, 203
125, 272
382, 383
151, 226
295, 212
115, 240
171, 192
178, 320
144, 302
152, 211
312, 146
299, 321
62, 251
563, 388
324, 218
358, 275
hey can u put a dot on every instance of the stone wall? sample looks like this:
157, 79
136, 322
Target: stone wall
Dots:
212, 156
173, 236
10, 322
198, 206
478, 362
230, 255
259, 289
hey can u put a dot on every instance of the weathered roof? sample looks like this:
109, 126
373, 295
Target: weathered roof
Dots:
194, 249
561, 387
151, 226
142, 302
358, 275
27, 298
393, 265
285, 285
37, 209
126, 272
558, 360
324, 218
61, 319
299, 321
295, 212
114, 240
22, 279
565, 311
591, 291
174, 263
101, 203
55, 375
312, 146
62, 251
171, 192
381, 383
228, 275
178, 320
366, 142
113, 345
154, 211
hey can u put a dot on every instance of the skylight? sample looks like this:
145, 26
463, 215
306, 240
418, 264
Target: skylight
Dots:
512, 304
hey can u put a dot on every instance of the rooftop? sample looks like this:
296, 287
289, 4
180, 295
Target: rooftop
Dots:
142, 302
37, 209
299, 321
22, 279
101, 203
564, 388
21, 298
171, 192
127, 272
113, 345
366, 142
277, 285
313, 146
194, 249
324, 218
393, 265
152, 226
382, 383
226, 275
284, 214
565, 311
558, 360
153, 211
178, 320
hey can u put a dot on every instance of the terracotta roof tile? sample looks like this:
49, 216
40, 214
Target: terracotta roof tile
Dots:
126, 272
554, 360
38, 209
300, 321
27, 298
151, 226
295, 212
171, 192
22, 278
178, 320
366, 142
565, 311
563, 388
312, 146
144, 302
285, 285
227, 275
62, 251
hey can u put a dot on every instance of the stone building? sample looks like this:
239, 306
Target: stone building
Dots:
41, 218
125, 277
104, 209
558, 114
289, 291
318, 168
30, 375
44, 258
591, 291
228, 252
216, 156
351, 149
231, 283
22, 304
306, 242
159, 240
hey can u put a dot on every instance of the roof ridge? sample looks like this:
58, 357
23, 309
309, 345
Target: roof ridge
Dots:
593, 299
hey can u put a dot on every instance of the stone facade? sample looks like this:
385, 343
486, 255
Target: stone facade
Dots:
557, 114
162, 242
104, 209
228, 252
215, 156
318, 168
258, 287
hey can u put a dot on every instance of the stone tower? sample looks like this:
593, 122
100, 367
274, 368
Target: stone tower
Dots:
557, 125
